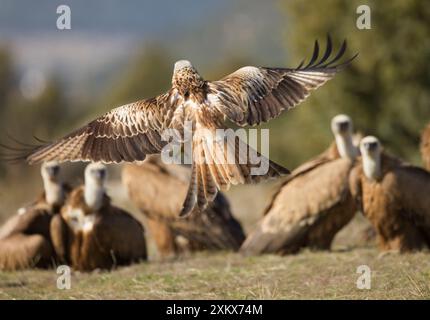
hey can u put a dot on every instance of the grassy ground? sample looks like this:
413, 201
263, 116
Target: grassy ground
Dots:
314, 275
224, 275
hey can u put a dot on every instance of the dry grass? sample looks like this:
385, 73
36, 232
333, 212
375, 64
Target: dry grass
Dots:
309, 275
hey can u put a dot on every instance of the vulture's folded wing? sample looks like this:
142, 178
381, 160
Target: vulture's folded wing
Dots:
252, 95
328, 155
127, 133
413, 184
299, 206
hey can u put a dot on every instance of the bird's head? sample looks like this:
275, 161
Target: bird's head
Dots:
94, 189
186, 78
342, 125
96, 174
371, 149
370, 146
50, 171
342, 128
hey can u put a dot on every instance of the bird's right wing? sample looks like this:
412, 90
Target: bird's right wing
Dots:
127, 133
252, 95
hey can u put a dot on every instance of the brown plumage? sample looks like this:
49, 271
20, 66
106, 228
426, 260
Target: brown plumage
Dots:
104, 236
157, 190
313, 203
25, 237
249, 96
394, 197
425, 147
21, 251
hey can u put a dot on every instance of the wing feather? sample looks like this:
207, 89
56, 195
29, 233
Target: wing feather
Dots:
127, 133
252, 95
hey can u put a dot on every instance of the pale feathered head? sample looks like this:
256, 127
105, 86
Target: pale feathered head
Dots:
341, 125
371, 149
186, 78
370, 146
96, 173
50, 171
182, 64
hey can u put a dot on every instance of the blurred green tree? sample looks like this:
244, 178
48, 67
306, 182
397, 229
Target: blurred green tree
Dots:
44, 116
385, 90
144, 77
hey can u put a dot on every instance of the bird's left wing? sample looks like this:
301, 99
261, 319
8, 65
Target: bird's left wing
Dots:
127, 133
252, 95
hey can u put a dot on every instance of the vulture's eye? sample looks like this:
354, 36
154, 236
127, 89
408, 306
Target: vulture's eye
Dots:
187, 94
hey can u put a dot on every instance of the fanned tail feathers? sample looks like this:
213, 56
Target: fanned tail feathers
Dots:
218, 165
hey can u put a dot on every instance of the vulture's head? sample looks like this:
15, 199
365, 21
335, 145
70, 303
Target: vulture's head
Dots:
50, 171
342, 128
186, 78
96, 174
95, 180
371, 149
341, 125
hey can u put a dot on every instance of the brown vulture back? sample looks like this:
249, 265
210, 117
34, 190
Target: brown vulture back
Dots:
110, 236
158, 190
397, 204
25, 240
311, 206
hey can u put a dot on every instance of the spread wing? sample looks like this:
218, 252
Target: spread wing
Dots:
252, 95
127, 133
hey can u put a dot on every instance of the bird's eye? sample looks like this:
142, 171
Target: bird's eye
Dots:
187, 94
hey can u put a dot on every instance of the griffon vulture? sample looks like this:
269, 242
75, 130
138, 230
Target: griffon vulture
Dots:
425, 147
91, 233
313, 204
394, 197
196, 108
25, 238
157, 190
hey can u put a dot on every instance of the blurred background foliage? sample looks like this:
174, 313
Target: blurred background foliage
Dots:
385, 90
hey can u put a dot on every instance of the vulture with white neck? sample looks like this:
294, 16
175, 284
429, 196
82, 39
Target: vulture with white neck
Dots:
25, 238
394, 196
157, 190
91, 233
313, 204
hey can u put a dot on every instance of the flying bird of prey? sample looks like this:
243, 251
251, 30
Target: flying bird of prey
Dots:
248, 96
91, 233
425, 147
158, 189
25, 238
314, 202
394, 197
